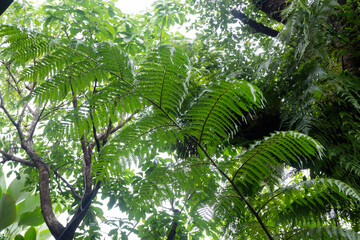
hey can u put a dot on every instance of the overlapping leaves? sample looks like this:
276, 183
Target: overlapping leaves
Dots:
217, 113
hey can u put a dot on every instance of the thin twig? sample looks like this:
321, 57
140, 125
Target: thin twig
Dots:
67, 184
106, 134
17, 126
57, 141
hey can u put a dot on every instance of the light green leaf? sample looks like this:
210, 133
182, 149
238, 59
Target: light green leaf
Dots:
2, 180
33, 218
7, 210
16, 189
44, 235
30, 234
29, 204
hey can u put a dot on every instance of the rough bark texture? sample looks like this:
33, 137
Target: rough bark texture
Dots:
55, 227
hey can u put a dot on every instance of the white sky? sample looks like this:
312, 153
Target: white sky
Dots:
133, 6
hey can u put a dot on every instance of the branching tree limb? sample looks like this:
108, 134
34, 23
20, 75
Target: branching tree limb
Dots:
51, 221
67, 184
105, 135
11, 157
258, 27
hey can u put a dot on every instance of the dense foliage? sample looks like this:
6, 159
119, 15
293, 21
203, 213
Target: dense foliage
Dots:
248, 131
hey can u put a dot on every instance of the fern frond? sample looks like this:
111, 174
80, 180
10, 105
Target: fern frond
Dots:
263, 158
114, 99
215, 114
24, 46
72, 125
115, 61
50, 64
163, 78
325, 233
313, 200
131, 143
155, 188
76, 79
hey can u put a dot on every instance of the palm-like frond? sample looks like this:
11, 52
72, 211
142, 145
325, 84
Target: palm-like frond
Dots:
113, 100
215, 114
323, 233
76, 79
313, 200
50, 63
163, 78
263, 158
115, 61
23, 46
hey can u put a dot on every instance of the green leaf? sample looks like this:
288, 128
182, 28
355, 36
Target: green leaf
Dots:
44, 235
215, 115
7, 211
29, 204
2, 180
19, 237
17, 189
33, 218
163, 79
30, 234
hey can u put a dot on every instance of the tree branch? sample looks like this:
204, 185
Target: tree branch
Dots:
17, 126
258, 27
57, 141
11, 157
69, 231
273, 8
67, 184
106, 134
55, 227
51, 221
34, 122
87, 152
86, 168
15, 87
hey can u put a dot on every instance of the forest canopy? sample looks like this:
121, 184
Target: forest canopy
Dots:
120, 126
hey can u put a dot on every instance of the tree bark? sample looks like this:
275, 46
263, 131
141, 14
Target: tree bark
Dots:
258, 27
172, 233
272, 8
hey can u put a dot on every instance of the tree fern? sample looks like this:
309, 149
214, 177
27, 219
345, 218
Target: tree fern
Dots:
313, 200
24, 46
262, 159
215, 114
324, 232
163, 78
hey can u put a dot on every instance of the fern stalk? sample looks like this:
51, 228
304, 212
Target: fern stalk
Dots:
251, 208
